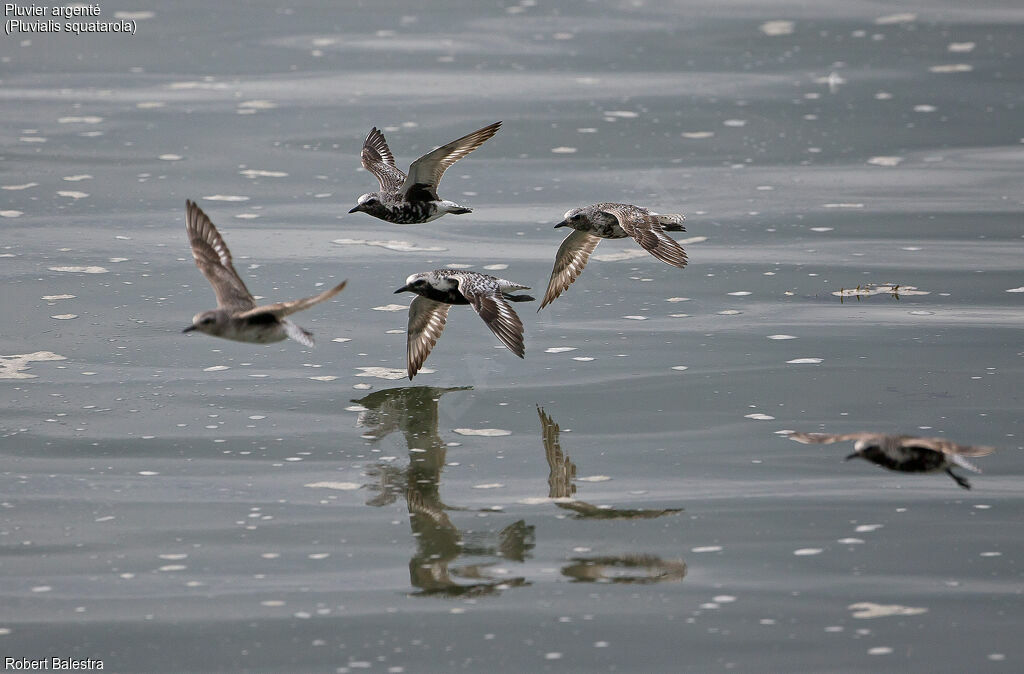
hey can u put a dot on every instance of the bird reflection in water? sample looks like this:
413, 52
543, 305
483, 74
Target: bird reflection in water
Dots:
630, 568
562, 485
439, 542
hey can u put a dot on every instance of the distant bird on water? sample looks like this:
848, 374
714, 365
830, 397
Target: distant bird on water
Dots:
611, 221
237, 317
439, 289
905, 453
412, 199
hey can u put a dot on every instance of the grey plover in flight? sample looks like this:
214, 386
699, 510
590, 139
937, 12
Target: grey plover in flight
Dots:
412, 199
439, 289
237, 317
905, 453
611, 221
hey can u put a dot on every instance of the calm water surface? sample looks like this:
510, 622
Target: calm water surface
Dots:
622, 500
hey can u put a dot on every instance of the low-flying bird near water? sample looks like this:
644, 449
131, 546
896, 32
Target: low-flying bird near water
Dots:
439, 289
905, 453
412, 199
611, 221
237, 317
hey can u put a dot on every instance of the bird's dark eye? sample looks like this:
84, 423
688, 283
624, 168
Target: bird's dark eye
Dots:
420, 282
577, 216
207, 320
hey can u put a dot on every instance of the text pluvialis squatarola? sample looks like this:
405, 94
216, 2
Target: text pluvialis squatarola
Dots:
412, 199
611, 221
237, 317
439, 289
905, 453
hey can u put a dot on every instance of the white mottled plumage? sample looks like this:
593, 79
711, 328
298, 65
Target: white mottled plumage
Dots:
237, 317
439, 289
412, 199
905, 453
611, 221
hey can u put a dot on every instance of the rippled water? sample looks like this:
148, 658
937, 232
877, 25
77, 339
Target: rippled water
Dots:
620, 500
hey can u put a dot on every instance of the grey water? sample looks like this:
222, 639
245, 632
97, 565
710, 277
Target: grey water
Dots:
624, 498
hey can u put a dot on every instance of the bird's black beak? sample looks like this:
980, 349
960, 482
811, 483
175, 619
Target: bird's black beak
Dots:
356, 208
563, 223
403, 289
853, 456
189, 328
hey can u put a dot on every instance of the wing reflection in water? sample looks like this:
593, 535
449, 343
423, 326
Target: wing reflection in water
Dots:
439, 542
638, 569
562, 485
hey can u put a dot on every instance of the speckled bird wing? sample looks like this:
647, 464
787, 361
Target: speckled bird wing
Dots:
648, 232
282, 309
378, 160
214, 259
426, 322
947, 447
425, 173
570, 260
496, 312
829, 438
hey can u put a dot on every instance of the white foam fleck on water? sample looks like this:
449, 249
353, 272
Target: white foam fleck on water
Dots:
636, 318
782, 337
170, 157
247, 216
697, 135
879, 650
843, 205
850, 541
80, 270
1016, 290
259, 104
11, 213
482, 432
885, 161
594, 478
805, 361
991, 554
391, 307
77, 178
889, 19
822, 229
741, 293
72, 194
707, 548
757, 416
559, 349
679, 315
64, 317
776, 28
226, 197
677, 299
735, 123
952, 68
260, 173
399, 246
866, 610
12, 367
458, 265
960, 47
680, 368
173, 556
489, 485
925, 108
622, 114
24, 186
723, 598
340, 486
806, 552
563, 149
495, 267
88, 119
362, 387
388, 372
583, 359
216, 368
535, 500
342, 340
395, 332
325, 377
861, 528
729, 312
